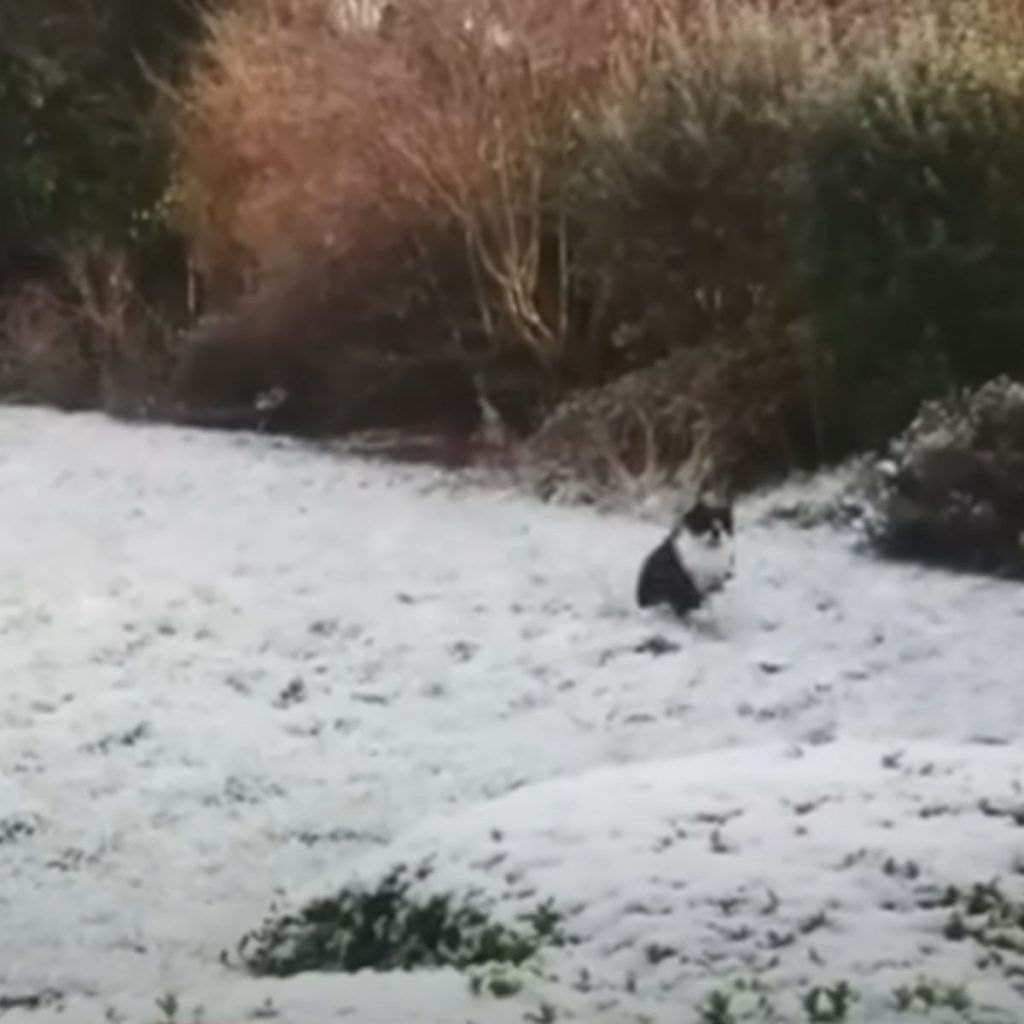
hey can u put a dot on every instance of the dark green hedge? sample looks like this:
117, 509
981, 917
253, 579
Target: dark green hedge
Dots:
912, 204
680, 218
83, 153
877, 225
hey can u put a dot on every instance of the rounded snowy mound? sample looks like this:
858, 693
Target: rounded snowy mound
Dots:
855, 861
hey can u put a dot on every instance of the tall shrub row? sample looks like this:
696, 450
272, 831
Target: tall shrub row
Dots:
574, 192
838, 181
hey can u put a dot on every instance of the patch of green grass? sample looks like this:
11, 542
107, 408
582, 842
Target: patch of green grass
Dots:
717, 1009
928, 995
500, 980
747, 1001
171, 1011
983, 913
827, 1004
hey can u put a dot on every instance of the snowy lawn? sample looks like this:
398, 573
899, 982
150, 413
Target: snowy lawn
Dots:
238, 671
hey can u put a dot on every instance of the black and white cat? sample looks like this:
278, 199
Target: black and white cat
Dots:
694, 561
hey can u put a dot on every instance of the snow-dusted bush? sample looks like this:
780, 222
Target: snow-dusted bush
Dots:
391, 928
952, 489
732, 413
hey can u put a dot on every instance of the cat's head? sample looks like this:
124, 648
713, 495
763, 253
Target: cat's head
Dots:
709, 520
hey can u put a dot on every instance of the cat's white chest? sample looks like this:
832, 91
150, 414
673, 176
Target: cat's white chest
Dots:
709, 565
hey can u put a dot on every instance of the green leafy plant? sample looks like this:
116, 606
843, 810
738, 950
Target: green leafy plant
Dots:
389, 927
828, 1004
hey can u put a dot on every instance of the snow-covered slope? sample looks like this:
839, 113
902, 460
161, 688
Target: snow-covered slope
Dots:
234, 669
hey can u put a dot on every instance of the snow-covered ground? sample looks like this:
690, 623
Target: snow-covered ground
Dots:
238, 671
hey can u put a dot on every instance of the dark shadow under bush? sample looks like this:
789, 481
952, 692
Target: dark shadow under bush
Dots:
91, 341
383, 345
